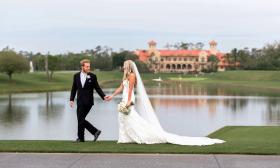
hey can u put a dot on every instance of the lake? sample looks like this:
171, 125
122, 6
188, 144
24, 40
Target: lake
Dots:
182, 109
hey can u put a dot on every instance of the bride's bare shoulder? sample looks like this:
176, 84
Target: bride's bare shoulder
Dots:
132, 76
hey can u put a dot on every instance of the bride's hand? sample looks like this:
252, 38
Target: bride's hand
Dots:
108, 98
129, 103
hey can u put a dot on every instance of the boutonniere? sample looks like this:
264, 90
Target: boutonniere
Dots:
88, 77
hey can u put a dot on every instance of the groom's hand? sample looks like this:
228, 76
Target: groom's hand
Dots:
108, 98
71, 104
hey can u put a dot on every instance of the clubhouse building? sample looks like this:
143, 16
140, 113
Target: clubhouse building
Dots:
180, 61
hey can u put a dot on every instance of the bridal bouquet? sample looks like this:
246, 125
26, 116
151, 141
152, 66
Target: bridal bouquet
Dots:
123, 108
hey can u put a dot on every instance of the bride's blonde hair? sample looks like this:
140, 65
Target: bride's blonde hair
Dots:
128, 69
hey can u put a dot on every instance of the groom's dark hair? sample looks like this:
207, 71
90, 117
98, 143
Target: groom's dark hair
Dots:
82, 62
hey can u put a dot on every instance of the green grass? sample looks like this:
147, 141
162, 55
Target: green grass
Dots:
255, 80
37, 82
259, 81
239, 140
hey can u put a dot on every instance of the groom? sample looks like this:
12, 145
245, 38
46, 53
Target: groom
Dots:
83, 83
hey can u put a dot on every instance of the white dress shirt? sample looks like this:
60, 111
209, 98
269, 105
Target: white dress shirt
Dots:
83, 77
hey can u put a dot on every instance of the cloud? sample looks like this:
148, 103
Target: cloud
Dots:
33, 24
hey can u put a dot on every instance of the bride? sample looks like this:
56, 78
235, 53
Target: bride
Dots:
141, 124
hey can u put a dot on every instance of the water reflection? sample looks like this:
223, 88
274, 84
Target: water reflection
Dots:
273, 112
52, 109
179, 88
185, 110
200, 115
236, 105
11, 112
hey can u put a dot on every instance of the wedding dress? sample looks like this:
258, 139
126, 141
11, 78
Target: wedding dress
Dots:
142, 126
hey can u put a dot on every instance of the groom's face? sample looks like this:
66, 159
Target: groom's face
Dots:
86, 67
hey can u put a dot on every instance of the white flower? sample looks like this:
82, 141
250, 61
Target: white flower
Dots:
88, 77
123, 108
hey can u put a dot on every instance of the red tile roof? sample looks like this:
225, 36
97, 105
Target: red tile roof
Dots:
143, 54
179, 52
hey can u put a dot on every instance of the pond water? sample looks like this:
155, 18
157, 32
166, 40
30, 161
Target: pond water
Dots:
184, 110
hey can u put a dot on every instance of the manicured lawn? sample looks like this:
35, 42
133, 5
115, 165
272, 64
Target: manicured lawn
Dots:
37, 82
239, 140
260, 81
267, 82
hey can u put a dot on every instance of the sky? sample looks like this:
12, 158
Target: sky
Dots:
61, 26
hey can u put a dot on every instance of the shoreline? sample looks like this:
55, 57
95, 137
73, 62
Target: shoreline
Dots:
237, 81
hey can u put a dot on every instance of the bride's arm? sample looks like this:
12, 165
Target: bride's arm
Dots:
117, 91
131, 86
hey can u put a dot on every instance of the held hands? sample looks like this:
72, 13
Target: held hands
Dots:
108, 98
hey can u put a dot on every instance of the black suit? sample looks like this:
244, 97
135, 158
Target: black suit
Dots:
85, 101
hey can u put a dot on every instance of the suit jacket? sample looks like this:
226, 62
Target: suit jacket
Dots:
85, 94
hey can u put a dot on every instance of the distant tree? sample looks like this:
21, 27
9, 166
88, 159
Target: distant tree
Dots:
168, 46
11, 62
141, 66
245, 59
47, 67
98, 49
191, 46
234, 54
199, 46
270, 57
7, 48
102, 63
184, 45
119, 58
54, 65
213, 60
177, 46
72, 60
131, 56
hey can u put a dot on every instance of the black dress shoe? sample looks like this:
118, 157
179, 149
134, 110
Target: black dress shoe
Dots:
96, 135
79, 140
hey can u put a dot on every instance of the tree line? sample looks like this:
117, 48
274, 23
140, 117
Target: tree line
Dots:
103, 58
266, 58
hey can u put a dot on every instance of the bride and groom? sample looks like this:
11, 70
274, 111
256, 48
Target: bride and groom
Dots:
141, 124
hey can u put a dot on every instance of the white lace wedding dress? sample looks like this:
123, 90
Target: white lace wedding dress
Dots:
144, 127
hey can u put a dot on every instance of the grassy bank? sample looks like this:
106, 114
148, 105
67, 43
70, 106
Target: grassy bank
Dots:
267, 81
37, 82
239, 140
253, 79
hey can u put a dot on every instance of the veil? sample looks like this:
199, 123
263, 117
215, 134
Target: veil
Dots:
143, 103
145, 109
